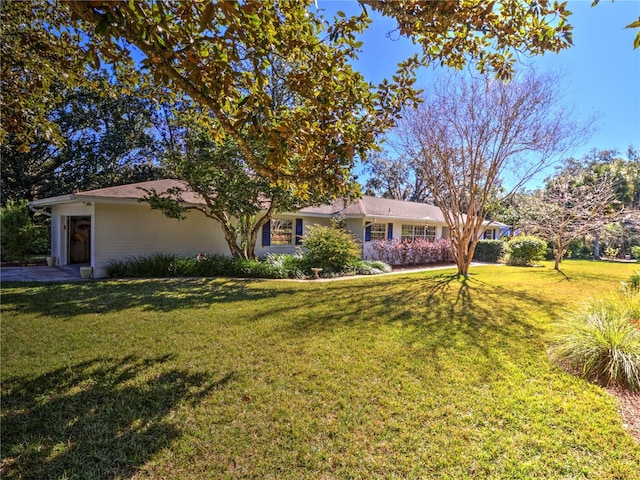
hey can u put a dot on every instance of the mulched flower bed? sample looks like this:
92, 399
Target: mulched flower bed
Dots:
629, 408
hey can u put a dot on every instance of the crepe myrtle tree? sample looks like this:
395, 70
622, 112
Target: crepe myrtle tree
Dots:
218, 54
470, 134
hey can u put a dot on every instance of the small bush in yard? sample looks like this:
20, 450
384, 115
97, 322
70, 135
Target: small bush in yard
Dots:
489, 251
525, 250
331, 249
602, 341
635, 251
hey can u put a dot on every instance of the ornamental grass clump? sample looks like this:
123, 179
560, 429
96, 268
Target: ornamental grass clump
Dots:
602, 341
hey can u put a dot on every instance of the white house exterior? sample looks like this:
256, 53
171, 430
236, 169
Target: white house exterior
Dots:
94, 227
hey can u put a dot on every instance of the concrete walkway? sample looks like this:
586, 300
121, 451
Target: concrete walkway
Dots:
40, 274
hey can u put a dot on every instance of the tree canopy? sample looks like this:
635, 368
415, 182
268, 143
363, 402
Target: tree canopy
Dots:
108, 138
218, 54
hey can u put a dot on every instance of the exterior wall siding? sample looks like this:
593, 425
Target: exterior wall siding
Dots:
262, 251
123, 231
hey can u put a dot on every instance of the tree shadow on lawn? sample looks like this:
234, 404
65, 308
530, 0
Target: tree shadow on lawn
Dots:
68, 300
103, 418
437, 311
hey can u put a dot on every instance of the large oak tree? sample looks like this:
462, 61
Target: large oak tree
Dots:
218, 54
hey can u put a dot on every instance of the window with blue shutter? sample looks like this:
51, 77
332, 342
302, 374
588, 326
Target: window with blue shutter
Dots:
298, 231
367, 234
390, 231
266, 234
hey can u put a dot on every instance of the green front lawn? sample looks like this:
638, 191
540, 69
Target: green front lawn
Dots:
409, 376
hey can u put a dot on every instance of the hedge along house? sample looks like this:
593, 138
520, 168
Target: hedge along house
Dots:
94, 227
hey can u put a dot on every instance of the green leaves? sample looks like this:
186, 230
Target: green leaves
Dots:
636, 24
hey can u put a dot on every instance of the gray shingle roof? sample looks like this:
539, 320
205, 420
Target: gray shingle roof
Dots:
133, 191
363, 207
379, 207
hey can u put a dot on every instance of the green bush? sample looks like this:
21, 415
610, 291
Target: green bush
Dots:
489, 251
169, 265
635, 251
161, 265
331, 249
578, 249
602, 342
20, 237
525, 250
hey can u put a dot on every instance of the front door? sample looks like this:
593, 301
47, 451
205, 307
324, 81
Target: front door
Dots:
79, 239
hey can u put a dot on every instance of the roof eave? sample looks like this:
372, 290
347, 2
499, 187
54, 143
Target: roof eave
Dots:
47, 202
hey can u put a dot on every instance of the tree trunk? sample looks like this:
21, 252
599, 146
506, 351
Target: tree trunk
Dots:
463, 267
234, 248
463, 260
596, 245
558, 256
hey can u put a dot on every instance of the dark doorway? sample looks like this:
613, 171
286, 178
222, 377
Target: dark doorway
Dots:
79, 239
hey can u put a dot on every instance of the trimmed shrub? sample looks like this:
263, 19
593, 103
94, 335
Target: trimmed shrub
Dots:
161, 265
416, 252
525, 250
635, 251
331, 249
602, 341
169, 265
489, 251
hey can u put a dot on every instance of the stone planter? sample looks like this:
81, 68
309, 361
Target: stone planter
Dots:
86, 272
51, 261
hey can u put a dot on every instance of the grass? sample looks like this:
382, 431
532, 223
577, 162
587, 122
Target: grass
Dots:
408, 376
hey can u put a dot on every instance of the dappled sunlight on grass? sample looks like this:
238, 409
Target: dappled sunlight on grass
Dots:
101, 418
412, 376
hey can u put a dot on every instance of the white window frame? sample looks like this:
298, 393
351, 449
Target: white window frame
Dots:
378, 231
282, 227
425, 232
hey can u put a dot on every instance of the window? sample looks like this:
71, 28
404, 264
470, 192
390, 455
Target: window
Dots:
378, 231
411, 232
490, 234
281, 232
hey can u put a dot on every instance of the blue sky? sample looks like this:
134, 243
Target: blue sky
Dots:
601, 70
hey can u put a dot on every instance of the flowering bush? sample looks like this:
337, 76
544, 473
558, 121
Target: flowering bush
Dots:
416, 252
